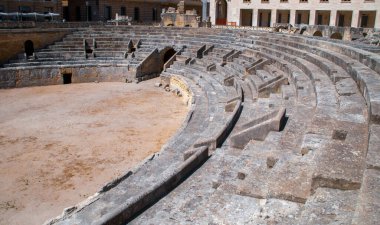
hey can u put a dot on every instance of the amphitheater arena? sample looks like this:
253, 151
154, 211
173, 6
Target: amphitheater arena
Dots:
281, 129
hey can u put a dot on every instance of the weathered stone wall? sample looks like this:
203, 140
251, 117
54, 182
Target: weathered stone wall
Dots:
12, 41
179, 84
150, 67
39, 76
17, 24
348, 33
180, 20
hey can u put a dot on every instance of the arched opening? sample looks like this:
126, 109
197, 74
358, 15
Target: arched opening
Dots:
303, 29
87, 48
221, 12
29, 48
336, 36
166, 54
317, 34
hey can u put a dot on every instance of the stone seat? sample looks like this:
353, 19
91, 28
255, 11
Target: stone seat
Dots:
60, 62
62, 54
61, 48
321, 177
326, 89
248, 57
216, 102
344, 84
132, 186
365, 77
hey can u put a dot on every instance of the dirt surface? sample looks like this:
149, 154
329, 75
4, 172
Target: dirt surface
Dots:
61, 144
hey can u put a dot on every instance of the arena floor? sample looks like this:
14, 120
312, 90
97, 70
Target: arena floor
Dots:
61, 144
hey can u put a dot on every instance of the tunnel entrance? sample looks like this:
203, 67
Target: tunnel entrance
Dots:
67, 78
29, 48
336, 36
168, 54
317, 34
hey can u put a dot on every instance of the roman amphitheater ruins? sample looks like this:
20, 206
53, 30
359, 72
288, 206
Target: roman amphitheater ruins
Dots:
158, 124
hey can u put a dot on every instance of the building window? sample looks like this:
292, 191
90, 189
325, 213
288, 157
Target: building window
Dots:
364, 21
123, 11
48, 9
346, 1
324, 1
108, 12
154, 14
246, 1
25, 9
1, 10
264, 1
77, 13
137, 14
303, 1
284, 1
89, 13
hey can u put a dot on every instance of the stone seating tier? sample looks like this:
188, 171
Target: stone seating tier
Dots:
307, 110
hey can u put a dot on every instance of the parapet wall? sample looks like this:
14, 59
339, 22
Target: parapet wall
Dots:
40, 76
179, 84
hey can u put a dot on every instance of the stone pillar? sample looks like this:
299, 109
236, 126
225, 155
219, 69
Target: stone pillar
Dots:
292, 17
333, 18
312, 17
204, 10
355, 18
377, 19
255, 16
212, 12
181, 7
273, 17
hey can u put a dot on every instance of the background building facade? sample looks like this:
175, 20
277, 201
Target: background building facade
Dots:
265, 13
98, 10
139, 11
29, 6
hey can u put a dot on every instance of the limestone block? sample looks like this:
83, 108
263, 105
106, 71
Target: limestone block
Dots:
368, 207
291, 180
327, 206
230, 106
338, 166
229, 81
313, 142
373, 154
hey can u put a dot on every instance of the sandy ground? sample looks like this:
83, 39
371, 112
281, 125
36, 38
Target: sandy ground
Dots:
61, 144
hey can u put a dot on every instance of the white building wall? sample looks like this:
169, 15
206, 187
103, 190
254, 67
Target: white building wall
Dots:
333, 6
212, 11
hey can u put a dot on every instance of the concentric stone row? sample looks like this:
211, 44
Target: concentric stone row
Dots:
283, 129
